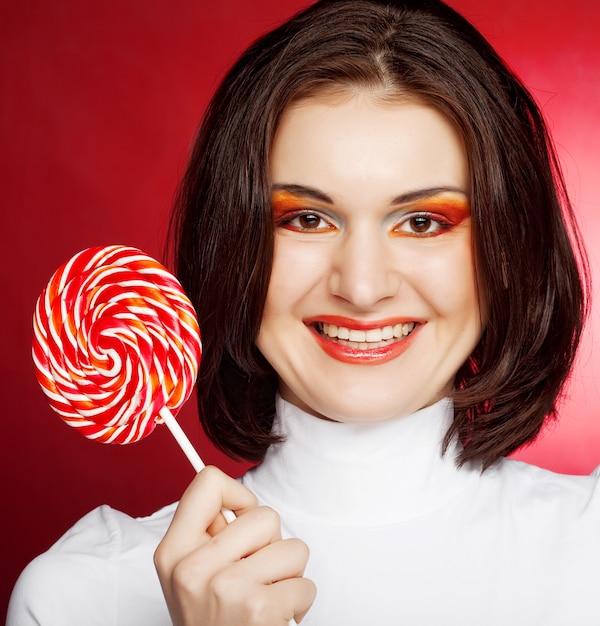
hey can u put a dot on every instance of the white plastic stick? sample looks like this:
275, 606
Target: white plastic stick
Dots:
189, 451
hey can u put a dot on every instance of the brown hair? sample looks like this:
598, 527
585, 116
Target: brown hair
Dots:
223, 223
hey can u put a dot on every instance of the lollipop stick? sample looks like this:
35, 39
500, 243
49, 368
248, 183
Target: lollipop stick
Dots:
182, 440
189, 450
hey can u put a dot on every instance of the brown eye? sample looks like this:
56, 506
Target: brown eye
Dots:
423, 224
420, 224
306, 222
309, 221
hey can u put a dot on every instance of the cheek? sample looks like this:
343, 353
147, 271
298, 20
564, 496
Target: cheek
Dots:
449, 280
298, 270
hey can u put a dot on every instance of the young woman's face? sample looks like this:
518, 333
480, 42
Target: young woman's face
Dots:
373, 302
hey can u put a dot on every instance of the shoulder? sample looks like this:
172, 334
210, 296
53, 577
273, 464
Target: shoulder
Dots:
100, 571
531, 480
535, 495
544, 532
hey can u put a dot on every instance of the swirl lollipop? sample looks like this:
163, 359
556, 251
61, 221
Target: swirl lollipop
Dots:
116, 346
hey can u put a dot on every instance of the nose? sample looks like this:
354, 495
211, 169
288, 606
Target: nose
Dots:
363, 270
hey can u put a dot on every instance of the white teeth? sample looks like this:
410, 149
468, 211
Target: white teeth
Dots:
387, 332
373, 335
357, 335
364, 340
332, 331
343, 333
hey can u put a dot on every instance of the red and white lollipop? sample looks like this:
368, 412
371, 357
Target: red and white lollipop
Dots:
116, 346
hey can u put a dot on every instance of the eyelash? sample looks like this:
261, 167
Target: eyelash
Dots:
290, 221
287, 221
439, 222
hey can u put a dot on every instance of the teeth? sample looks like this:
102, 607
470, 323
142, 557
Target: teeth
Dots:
364, 340
358, 335
330, 329
373, 335
387, 332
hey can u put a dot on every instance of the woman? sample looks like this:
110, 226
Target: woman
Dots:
404, 311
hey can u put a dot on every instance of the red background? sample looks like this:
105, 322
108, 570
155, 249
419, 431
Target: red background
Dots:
99, 102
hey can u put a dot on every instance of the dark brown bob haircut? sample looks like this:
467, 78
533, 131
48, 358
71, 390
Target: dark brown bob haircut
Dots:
521, 218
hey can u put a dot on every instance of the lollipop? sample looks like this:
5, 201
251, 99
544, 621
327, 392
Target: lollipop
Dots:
116, 346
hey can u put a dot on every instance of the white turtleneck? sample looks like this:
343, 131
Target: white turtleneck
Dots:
397, 535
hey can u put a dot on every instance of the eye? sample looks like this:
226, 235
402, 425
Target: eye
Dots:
305, 222
422, 225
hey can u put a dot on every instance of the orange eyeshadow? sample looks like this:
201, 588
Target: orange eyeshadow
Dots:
454, 210
284, 201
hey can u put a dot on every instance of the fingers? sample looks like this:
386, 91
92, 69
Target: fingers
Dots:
253, 530
264, 605
198, 515
280, 567
276, 562
215, 574
197, 512
266, 587
209, 492
230, 555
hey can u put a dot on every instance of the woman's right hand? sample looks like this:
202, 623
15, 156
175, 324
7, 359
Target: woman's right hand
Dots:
244, 573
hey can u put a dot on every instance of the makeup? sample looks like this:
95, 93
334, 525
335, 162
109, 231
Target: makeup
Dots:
432, 217
294, 212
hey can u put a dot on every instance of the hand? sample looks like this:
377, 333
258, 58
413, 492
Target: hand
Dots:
244, 573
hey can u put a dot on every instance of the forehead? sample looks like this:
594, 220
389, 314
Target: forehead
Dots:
362, 142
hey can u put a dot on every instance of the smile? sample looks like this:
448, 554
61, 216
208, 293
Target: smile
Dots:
365, 339
363, 343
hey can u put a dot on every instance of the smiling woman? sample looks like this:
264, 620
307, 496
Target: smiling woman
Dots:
529, 286
376, 235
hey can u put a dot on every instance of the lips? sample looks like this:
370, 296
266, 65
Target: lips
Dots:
353, 341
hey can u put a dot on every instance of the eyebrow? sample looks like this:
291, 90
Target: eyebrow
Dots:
301, 190
404, 198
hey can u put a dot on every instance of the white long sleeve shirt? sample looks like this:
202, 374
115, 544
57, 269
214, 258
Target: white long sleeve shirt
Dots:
397, 535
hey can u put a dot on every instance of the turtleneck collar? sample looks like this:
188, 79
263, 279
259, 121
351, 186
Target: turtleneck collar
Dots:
354, 475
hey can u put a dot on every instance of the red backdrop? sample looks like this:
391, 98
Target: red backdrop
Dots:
99, 102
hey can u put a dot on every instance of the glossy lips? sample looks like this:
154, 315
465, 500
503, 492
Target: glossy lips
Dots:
115, 341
